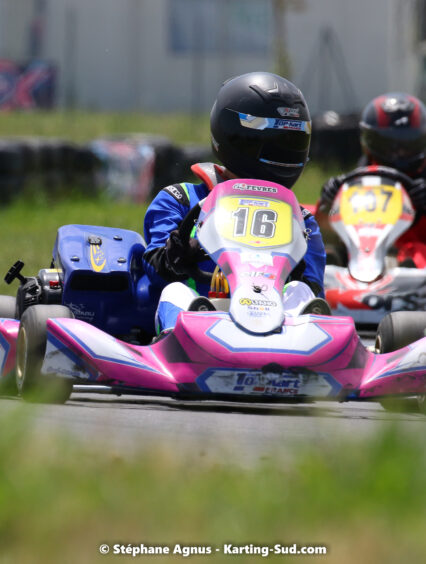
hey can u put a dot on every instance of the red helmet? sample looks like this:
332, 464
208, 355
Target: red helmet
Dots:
393, 131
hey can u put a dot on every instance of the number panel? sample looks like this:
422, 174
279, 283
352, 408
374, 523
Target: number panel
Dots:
371, 204
256, 222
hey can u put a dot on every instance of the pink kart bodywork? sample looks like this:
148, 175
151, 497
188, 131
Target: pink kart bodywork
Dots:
253, 351
207, 354
8, 335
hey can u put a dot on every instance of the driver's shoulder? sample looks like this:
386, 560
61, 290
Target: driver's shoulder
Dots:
178, 192
186, 194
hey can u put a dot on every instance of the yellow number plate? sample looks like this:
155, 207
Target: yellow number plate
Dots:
371, 204
255, 221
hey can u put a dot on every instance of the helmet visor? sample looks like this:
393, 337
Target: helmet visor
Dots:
280, 142
401, 148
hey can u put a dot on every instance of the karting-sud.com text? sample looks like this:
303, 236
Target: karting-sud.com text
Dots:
227, 549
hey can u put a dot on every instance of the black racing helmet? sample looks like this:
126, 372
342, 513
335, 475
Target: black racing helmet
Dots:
393, 131
261, 128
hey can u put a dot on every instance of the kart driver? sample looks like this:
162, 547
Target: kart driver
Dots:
275, 149
393, 133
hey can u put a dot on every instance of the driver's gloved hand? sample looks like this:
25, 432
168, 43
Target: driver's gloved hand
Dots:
330, 189
417, 193
180, 256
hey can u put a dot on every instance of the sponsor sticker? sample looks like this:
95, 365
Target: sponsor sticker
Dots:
97, 258
175, 192
260, 123
258, 312
260, 382
259, 203
288, 112
257, 273
262, 259
253, 188
80, 313
264, 303
288, 124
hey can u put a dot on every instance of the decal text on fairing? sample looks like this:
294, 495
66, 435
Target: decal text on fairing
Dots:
255, 382
243, 186
259, 383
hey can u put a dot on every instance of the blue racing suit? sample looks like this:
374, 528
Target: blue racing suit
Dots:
172, 204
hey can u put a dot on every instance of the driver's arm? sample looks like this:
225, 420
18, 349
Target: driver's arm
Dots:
167, 258
315, 257
162, 218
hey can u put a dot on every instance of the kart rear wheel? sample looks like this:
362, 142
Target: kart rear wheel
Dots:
395, 331
30, 349
7, 307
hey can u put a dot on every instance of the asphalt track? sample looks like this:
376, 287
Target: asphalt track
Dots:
238, 432
241, 433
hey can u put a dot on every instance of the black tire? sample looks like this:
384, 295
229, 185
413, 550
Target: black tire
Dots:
395, 331
30, 349
400, 328
7, 307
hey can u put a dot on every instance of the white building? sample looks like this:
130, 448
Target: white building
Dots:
173, 54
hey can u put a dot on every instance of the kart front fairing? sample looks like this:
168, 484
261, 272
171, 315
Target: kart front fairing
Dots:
255, 233
255, 350
370, 212
207, 355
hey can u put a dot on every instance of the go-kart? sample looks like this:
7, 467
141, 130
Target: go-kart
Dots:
363, 278
253, 350
96, 275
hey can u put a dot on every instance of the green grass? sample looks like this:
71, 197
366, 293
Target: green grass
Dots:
61, 498
29, 228
29, 224
80, 127
308, 186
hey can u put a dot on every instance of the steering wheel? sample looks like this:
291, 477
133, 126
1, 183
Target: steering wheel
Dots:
185, 230
387, 171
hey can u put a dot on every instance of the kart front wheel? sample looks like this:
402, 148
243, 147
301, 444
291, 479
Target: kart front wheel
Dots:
30, 350
395, 331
